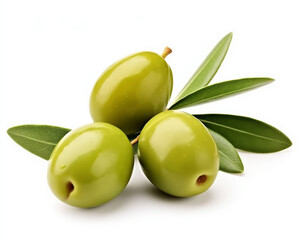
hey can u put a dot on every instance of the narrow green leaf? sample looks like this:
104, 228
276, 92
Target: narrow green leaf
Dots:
246, 133
221, 90
230, 160
207, 69
37, 139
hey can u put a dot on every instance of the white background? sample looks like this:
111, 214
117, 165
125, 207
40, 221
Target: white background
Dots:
52, 52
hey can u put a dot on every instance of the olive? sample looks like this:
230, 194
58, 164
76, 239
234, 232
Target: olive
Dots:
178, 154
90, 165
132, 90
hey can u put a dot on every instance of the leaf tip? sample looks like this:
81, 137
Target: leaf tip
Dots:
229, 36
233, 171
9, 131
289, 142
286, 143
238, 169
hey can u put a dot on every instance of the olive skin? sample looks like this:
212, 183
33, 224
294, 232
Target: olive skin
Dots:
178, 154
90, 165
131, 91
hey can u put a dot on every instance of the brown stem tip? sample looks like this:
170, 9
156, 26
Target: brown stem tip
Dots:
166, 52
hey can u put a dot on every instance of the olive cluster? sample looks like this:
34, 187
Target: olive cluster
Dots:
93, 164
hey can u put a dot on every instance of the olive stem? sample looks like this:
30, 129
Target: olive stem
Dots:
166, 52
134, 141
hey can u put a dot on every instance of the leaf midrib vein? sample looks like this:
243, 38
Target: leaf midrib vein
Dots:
215, 96
233, 164
238, 130
33, 139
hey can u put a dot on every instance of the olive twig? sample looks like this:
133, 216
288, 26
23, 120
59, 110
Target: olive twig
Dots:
134, 141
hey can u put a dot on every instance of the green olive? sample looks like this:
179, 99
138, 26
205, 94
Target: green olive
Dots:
178, 154
131, 91
90, 165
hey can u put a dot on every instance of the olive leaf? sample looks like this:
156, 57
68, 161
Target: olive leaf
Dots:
220, 90
38, 139
246, 133
207, 69
230, 160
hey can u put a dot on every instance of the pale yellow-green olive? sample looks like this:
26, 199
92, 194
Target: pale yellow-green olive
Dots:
90, 165
178, 154
131, 91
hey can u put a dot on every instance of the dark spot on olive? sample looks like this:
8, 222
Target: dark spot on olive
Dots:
70, 188
201, 179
